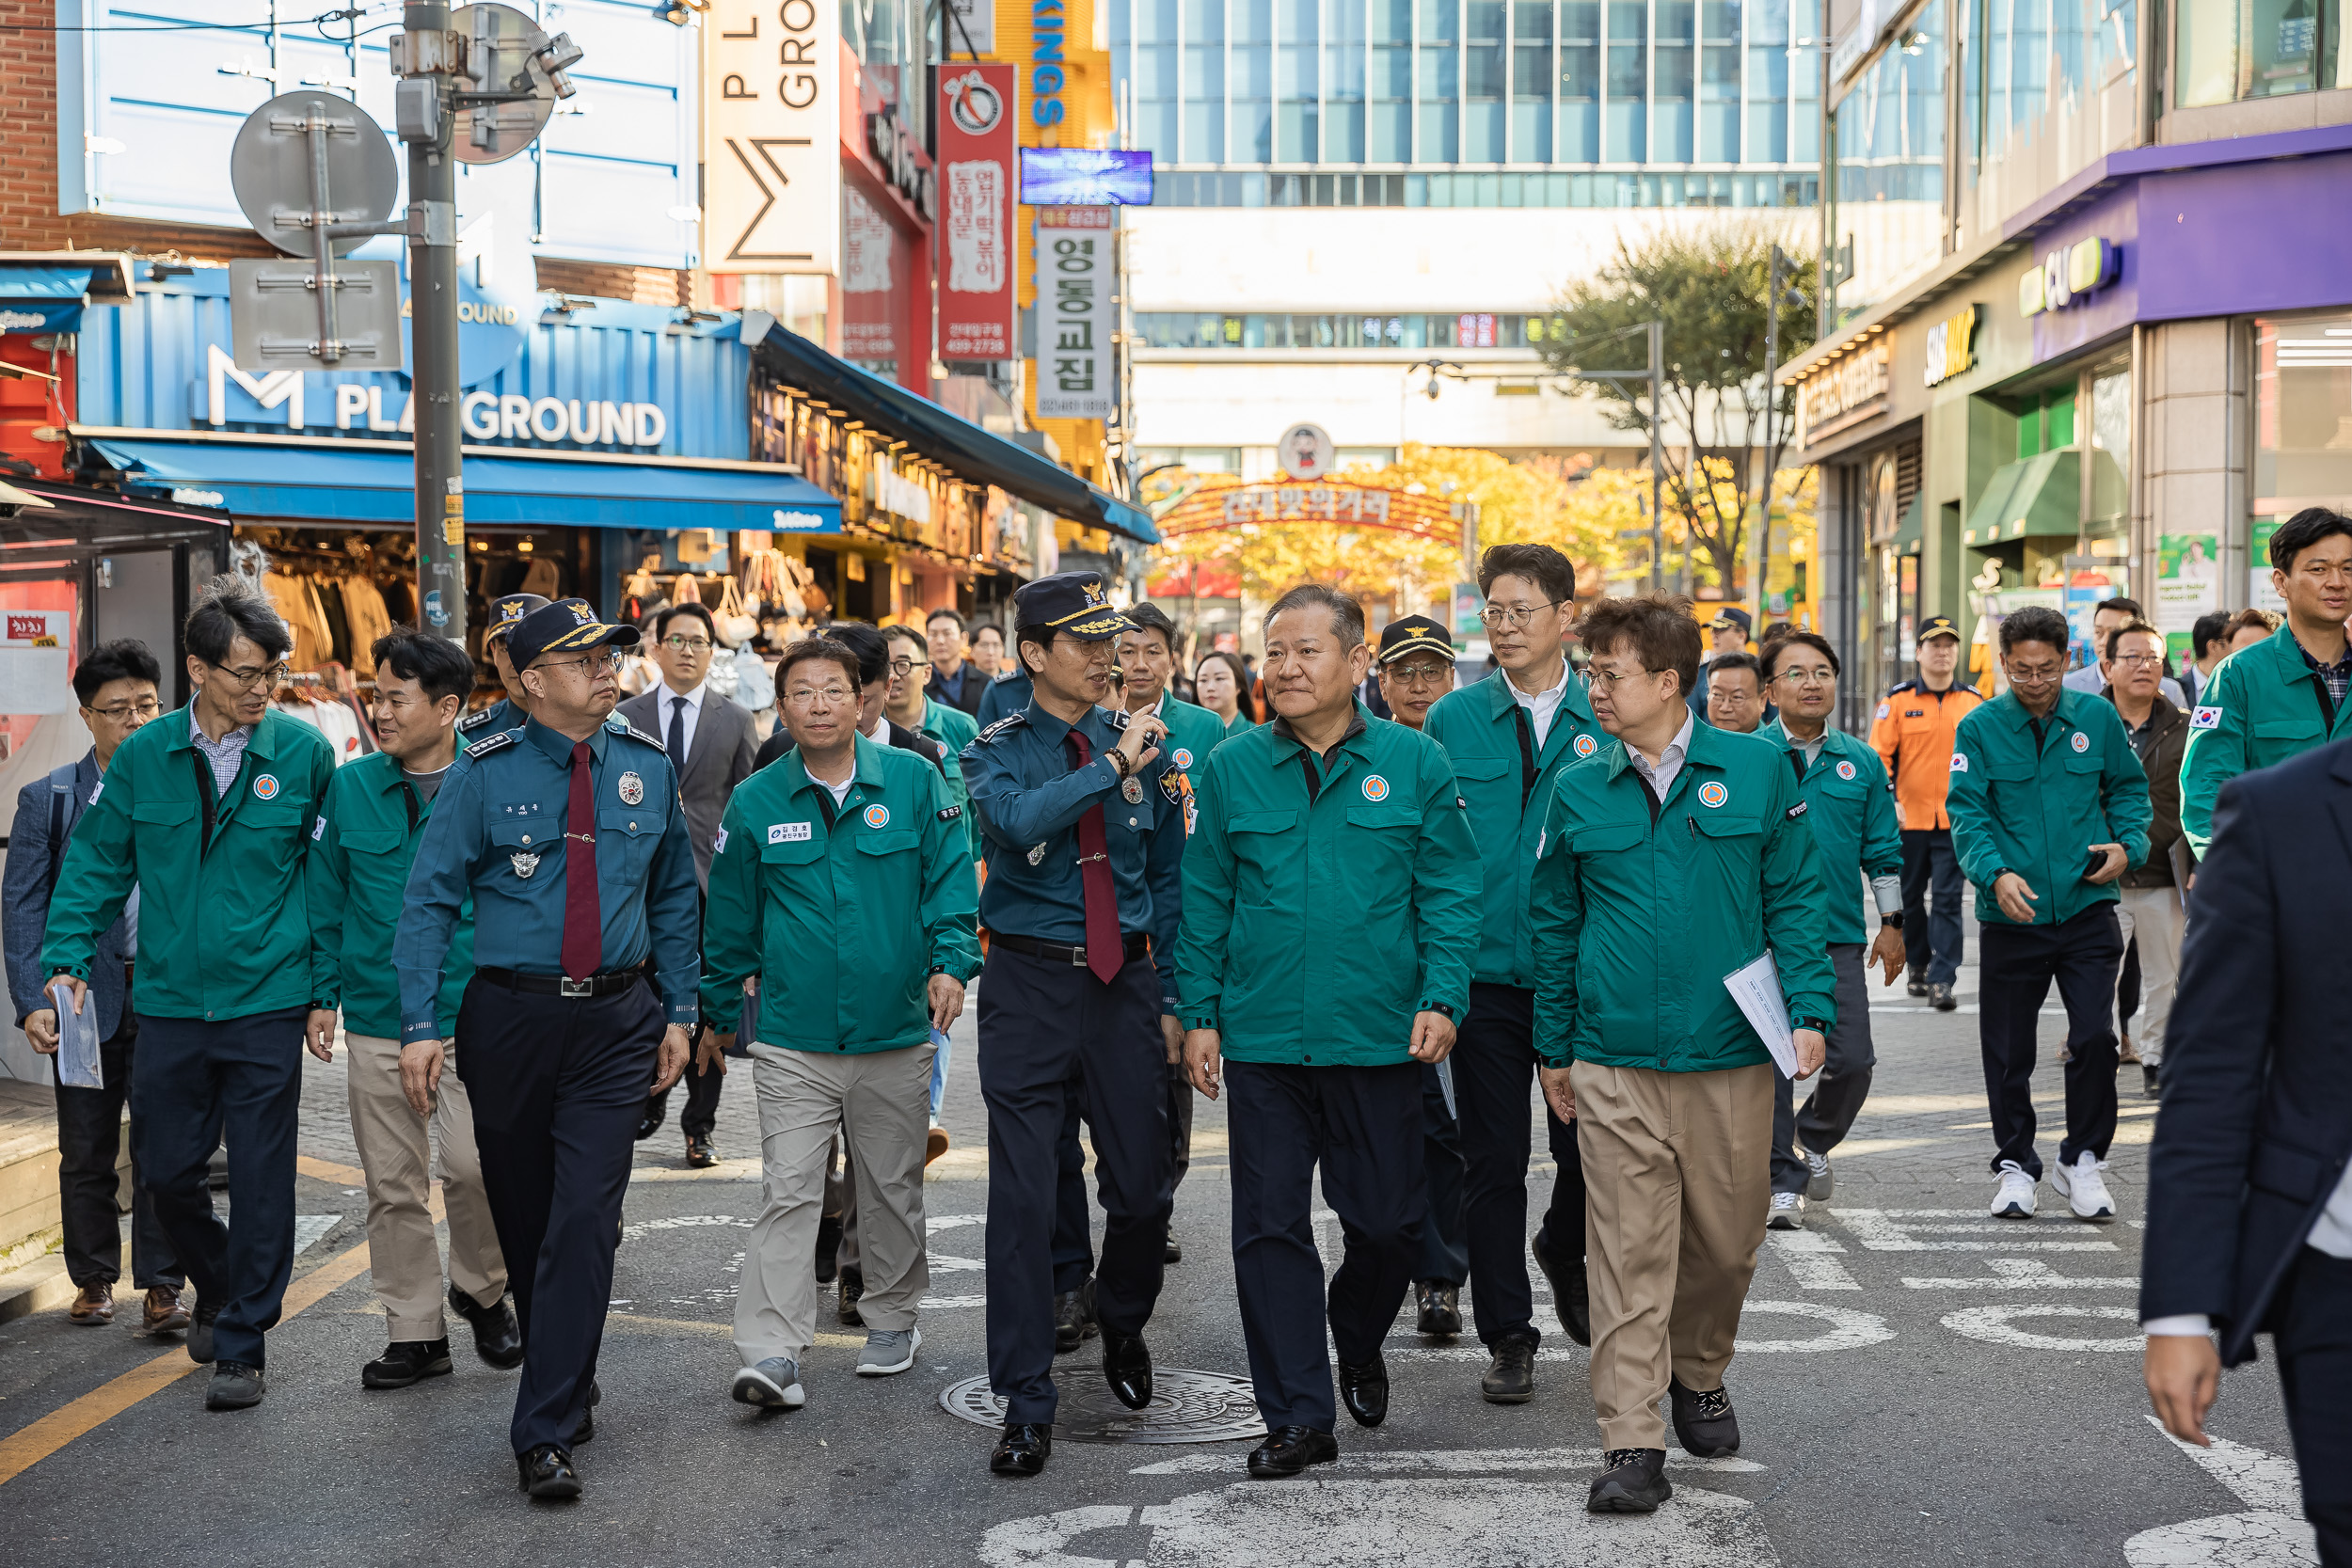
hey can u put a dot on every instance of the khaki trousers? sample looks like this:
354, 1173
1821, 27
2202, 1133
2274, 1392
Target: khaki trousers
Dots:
2155, 917
1678, 1176
880, 1102
402, 1255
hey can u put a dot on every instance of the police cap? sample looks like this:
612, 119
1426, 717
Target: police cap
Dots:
1413, 634
506, 612
1938, 625
565, 627
1077, 603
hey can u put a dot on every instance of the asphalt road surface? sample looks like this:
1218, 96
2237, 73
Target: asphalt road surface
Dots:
1917, 1385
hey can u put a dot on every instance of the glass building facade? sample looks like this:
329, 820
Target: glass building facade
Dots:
1473, 102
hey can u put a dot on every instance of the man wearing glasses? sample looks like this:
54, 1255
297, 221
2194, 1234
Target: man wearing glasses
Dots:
1509, 740
509, 711
711, 746
2149, 906
117, 687
207, 814
2049, 806
569, 840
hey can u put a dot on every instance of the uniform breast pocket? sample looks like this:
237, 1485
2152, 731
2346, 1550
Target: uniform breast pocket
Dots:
1377, 865
280, 827
1733, 842
371, 860
531, 848
157, 826
2276, 739
1258, 841
897, 841
629, 833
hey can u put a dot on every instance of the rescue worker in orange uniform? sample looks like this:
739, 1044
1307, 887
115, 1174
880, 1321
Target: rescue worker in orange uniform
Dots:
1912, 732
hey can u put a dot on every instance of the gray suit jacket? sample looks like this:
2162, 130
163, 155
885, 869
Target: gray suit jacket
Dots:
719, 758
24, 899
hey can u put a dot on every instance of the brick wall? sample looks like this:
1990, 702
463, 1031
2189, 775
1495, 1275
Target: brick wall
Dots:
603, 280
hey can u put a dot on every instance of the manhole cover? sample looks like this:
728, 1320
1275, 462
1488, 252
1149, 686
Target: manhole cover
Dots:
1186, 1408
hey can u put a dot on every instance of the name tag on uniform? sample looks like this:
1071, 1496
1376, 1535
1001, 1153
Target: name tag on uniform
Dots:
788, 833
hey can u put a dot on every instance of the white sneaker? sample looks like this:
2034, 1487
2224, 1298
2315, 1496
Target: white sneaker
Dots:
1821, 1181
1788, 1212
2084, 1189
889, 1351
775, 1383
2015, 1200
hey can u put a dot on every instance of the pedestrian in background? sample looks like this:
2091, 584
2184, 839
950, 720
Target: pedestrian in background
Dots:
360, 853
843, 879
2206, 648
2250, 627
1325, 821
1508, 739
116, 686
1222, 683
952, 678
2149, 910
1913, 735
1727, 634
2110, 617
713, 747
1735, 694
2049, 806
207, 813
987, 649
564, 1036
510, 710
1672, 860
1851, 804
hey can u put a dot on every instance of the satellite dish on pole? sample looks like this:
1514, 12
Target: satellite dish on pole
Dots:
270, 169
510, 61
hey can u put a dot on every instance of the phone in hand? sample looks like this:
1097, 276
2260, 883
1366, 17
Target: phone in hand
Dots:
2098, 859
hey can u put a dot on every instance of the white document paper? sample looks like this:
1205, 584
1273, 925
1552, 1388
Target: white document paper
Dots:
1445, 1087
1756, 987
78, 1063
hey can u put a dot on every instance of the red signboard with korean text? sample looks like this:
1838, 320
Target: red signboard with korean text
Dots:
977, 175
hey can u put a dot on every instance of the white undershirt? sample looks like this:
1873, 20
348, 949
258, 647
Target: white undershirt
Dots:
840, 792
1543, 706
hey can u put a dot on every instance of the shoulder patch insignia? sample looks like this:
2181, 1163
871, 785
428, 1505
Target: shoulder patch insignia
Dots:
1118, 719
1008, 677
1797, 810
1010, 721
1884, 710
1959, 762
483, 748
2205, 719
474, 720
948, 813
622, 726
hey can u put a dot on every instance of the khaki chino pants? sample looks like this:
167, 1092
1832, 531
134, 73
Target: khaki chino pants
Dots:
403, 1255
1678, 1173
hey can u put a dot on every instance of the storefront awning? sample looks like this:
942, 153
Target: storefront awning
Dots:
975, 455
353, 482
45, 290
2038, 495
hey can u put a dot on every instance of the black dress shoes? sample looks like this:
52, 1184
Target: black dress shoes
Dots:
699, 1154
828, 1248
852, 1290
1074, 1317
546, 1472
1510, 1377
1175, 1252
1366, 1391
1023, 1449
235, 1386
1127, 1368
498, 1338
200, 1331
406, 1361
588, 1416
1570, 1295
657, 1109
1288, 1450
1441, 1308
1633, 1481
1703, 1424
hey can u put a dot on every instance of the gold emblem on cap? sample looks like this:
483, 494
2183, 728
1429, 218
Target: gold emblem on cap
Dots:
1096, 597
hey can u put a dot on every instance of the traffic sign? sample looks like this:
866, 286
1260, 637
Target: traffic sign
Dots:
511, 62
274, 316
270, 169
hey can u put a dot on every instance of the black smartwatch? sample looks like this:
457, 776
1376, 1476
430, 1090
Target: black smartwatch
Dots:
1817, 1025
1892, 921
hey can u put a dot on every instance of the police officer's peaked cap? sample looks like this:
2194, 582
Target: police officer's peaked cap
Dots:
565, 627
1077, 603
1730, 618
507, 613
1939, 626
1413, 634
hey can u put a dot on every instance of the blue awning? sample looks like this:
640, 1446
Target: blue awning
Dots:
34, 281
355, 483
45, 290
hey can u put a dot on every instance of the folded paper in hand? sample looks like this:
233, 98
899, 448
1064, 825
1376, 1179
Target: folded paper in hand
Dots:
1756, 986
78, 1066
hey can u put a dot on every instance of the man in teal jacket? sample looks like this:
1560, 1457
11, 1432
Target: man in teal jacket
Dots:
1670, 862
2049, 806
1508, 738
1851, 802
1330, 900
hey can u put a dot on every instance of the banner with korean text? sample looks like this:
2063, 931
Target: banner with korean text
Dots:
976, 300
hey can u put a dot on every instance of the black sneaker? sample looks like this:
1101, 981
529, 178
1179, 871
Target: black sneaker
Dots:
853, 1288
1917, 985
1940, 997
1571, 1293
1440, 1308
1074, 1317
200, 1331
2148, 1080
1632, 1480
498, 1338
235, 1386
406, 1361
1703, 1424
1511, 1375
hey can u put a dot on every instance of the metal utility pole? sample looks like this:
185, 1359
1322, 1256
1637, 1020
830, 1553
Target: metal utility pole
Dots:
427, 66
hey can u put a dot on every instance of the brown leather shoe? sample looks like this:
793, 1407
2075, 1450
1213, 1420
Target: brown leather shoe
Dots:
94, 1305
935, 1144
166, 1309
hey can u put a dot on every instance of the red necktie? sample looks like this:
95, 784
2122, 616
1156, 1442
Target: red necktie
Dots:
583, 925
1106, 952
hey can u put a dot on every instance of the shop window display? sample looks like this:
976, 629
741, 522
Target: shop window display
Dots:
2302, 412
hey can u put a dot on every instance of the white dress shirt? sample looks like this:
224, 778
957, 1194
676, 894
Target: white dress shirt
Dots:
1662, 778
1543, 706
689, 719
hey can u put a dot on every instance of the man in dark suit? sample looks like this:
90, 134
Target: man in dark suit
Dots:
2249, 1208
116, 685
711, 744
954, 679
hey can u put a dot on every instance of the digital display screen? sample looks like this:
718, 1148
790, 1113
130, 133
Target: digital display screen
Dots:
1085, 177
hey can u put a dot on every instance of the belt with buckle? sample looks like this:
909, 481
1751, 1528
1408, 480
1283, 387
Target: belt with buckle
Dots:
1136, 945
609, 983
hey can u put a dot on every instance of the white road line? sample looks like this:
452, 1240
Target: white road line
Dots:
2272, 1532
948, 1304
1997, 1325
1847, 1330
1898, 1231
1448, 1460
2022, 1273
1807, 1253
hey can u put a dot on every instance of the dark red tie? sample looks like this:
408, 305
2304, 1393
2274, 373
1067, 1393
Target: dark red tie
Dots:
1105, 952
583, 925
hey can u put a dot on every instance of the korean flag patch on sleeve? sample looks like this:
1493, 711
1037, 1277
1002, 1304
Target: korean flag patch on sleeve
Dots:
1959, 762
719, 845
318, 829
2205, 719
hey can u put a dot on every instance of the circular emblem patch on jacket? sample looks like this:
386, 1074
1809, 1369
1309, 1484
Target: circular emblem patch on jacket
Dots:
1376, 788
1183, 756
878, 817
265, 787
1712, 794
1845, 769
1585, 746
2081, 741
632, 790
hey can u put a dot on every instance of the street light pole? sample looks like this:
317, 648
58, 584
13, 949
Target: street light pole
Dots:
441, 498
1656, 454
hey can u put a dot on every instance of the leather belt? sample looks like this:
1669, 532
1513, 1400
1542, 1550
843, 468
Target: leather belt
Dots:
1136, 945
609, 983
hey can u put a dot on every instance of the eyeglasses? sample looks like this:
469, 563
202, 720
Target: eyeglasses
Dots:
120, 711
602, 659
2034, 676
2138, 660
902, 666
1595, 676
1513, 615
245, 680
687, 644
1815, 676
802, 696
1420, 674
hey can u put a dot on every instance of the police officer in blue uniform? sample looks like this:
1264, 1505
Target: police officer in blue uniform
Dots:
568, 835
1008, 694
1082, 818
506, 713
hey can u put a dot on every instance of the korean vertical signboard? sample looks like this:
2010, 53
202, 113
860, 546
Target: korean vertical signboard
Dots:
771, 201
975, 189
1075, 280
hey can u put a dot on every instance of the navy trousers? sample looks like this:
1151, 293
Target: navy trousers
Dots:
1494, 1073
1362, 1125
1841, 1085
1073, 1218
89, 1136
1445, 1242
1930, 866
197, 1077
2313, 1320
558, 1084
1043, 1029
2018, 962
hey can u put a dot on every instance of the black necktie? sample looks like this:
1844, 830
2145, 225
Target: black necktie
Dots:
678, 732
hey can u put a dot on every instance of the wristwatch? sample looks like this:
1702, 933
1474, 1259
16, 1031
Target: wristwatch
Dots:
1817, 1025
1892, 921
1442, 1007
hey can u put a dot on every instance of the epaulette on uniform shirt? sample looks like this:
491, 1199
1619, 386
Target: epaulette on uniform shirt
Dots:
1009, 722
484, 747
619, 725
474, 720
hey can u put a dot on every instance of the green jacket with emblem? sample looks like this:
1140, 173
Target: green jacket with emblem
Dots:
1851, 802
1507, 780
1639, 914
2037, 807
2263, 705
955, 729
1193, 733
844, 913
1318, 921
224, 925
361, 851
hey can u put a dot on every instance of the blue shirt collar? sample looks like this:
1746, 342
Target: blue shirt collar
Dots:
558, 747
